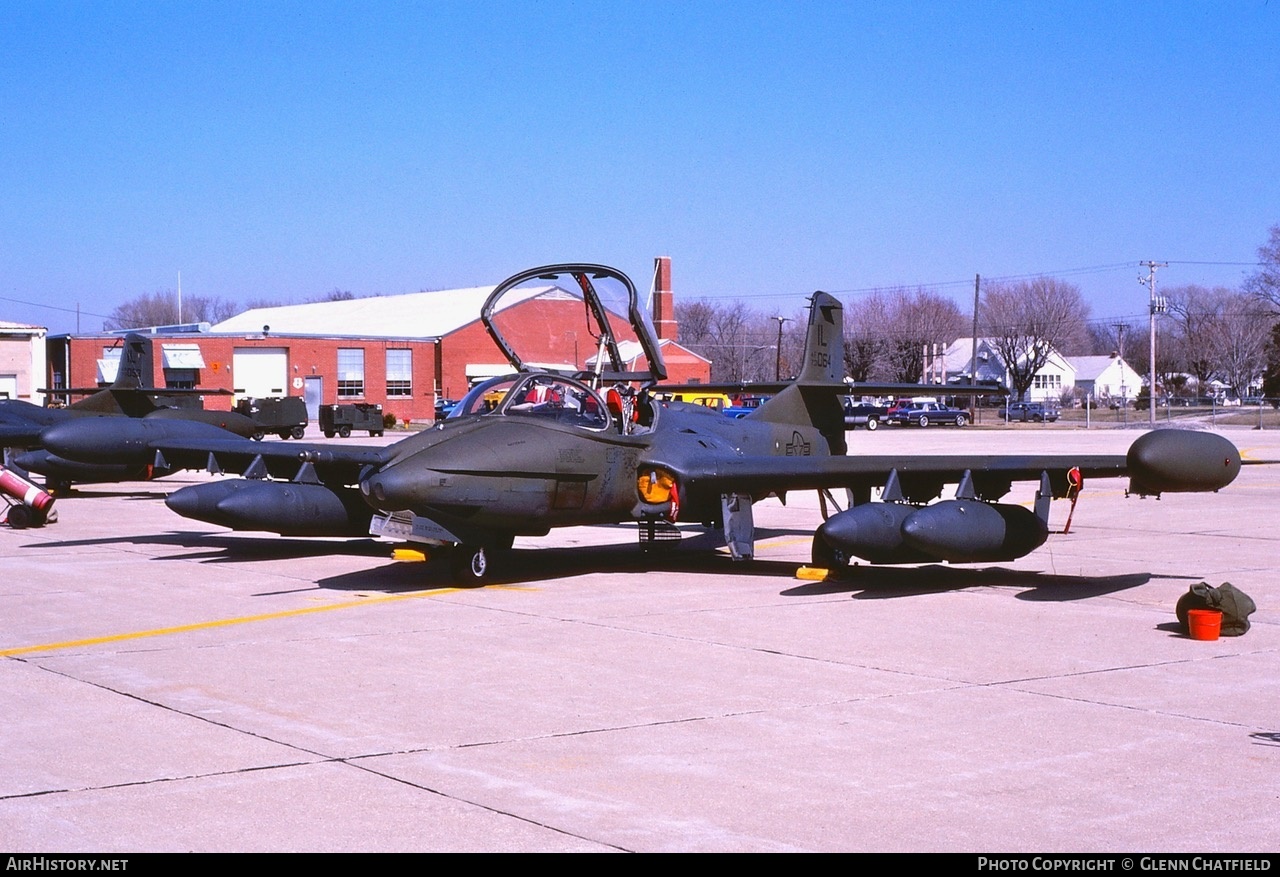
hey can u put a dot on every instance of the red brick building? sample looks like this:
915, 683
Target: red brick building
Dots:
398, 351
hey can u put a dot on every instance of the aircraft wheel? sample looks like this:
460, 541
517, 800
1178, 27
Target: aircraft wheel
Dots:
923, 421
471, 564
298, 432
344, 431
826, 557
872, 424
961, 420
57, 488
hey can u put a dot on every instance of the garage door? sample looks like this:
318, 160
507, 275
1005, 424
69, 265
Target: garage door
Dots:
259, 371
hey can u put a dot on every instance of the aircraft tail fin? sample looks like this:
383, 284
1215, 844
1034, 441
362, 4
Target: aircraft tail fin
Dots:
823, 342
127, 393
136, 370
814, 397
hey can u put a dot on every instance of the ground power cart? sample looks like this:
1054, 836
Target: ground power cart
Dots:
341, 419
286, 416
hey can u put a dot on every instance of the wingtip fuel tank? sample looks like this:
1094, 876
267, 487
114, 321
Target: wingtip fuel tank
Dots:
1181, 461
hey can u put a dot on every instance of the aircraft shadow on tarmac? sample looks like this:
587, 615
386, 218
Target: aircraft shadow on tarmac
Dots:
882, 582
694, 554
218, 548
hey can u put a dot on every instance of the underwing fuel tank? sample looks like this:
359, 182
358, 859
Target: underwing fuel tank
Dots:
873, 531
59, 469
957, 530
971, 531
121, 439
1181, 461
283, 507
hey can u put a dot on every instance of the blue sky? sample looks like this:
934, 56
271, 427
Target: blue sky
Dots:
282, 150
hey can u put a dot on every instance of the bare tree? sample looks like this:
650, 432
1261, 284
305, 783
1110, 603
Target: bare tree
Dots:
740, 343
1027, 322
1241, 344
160, 308
1265, 282
1197, 314
916, 321
866, 323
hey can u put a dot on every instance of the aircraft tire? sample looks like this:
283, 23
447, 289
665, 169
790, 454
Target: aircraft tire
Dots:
471, 564
872, 424
826, 557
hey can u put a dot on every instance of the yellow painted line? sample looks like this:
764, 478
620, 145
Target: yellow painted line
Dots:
245, 619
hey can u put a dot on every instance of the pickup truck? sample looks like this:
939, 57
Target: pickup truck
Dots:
863, 414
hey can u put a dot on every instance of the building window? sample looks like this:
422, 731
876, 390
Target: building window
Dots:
350, 373
399, 373
181, 378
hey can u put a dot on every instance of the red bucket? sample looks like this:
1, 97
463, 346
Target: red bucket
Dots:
1204, 624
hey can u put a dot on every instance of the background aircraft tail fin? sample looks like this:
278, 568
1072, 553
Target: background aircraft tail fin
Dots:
135, 370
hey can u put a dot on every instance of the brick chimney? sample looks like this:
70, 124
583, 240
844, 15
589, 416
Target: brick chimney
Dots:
664, 304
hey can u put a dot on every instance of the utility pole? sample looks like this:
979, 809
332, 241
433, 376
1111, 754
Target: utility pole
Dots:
973, 356
1158, 306
1124, 394
777, 361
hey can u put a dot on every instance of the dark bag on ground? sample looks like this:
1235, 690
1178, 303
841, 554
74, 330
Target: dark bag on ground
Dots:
1235, 604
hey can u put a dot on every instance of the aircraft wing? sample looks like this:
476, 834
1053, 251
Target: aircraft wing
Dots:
283, 460
183, 445
1161, 461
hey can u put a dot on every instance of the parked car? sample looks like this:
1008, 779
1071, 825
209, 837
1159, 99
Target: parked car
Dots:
744, 405
863, 414
1036, 412
930, 414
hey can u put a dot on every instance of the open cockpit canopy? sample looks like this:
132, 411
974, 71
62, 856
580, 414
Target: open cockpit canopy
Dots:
575, 319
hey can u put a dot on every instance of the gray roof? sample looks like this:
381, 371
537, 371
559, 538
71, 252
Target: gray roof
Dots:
1089, 367
414, 315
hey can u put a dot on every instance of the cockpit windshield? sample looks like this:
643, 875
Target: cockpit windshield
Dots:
580, 320
548, 397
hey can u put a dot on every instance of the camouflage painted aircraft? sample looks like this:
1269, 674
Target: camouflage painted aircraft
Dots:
548, 447
126, 410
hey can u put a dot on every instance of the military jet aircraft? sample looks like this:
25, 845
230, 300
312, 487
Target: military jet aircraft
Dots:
126, 411
554, 446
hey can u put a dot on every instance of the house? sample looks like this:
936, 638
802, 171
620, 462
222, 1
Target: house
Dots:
22, 362
1057, 375
1106, 377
